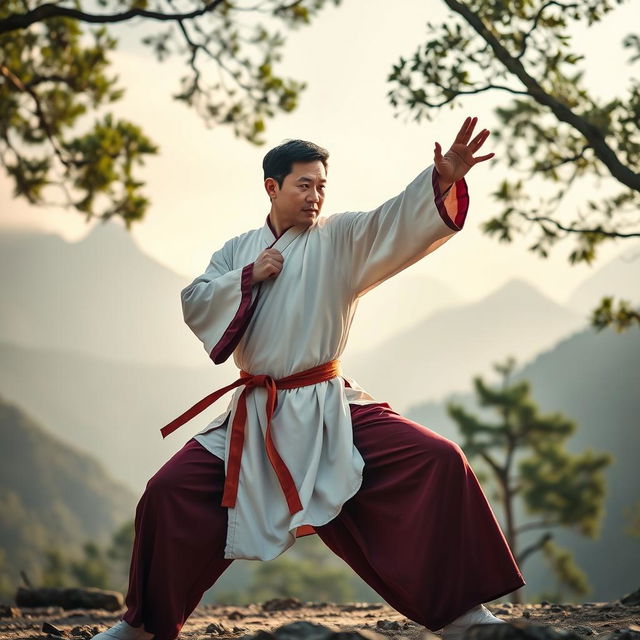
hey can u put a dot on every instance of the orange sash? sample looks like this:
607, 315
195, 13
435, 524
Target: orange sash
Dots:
321, 373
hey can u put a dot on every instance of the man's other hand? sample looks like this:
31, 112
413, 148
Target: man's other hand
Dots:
267, 265
454, 164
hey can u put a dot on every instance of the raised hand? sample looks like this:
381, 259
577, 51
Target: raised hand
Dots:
267, 265
456, 162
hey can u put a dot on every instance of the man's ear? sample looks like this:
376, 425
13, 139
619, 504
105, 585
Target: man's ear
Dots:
271, 187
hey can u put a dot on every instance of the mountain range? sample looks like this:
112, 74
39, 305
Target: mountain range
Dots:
619, 278
112, 410
91, 347
103, 296
444, 350
51, 495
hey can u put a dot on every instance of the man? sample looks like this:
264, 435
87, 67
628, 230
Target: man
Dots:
301, 448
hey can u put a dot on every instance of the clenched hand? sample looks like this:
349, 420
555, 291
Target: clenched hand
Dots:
267, 265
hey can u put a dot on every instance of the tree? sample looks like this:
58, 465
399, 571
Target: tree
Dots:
525, 457
49, 77
54, 573
285, 578
554, 130
106, 568
119, 555
6, 588
91, 570
309, 571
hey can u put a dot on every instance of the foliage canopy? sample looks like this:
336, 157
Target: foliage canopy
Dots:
558, 136
50, 76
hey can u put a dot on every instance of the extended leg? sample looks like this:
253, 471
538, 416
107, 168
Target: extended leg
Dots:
178, 550
420, 530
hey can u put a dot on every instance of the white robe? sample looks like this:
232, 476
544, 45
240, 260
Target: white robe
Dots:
301, 320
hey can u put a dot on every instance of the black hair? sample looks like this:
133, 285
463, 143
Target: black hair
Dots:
278, 162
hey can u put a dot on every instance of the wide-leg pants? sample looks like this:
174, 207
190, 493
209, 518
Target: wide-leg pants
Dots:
419, 531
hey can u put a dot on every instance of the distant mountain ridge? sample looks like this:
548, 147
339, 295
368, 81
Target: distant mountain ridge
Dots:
51, 494
620, 278
112, 410
395, 306
103, 296
444, 350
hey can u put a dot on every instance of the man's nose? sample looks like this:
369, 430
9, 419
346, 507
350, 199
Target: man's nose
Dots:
313, 195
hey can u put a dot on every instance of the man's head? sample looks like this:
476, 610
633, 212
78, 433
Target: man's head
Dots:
295, 174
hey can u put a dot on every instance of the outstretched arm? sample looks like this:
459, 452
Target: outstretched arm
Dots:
376, 245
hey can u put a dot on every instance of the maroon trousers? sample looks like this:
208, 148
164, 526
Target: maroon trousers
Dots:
419, 531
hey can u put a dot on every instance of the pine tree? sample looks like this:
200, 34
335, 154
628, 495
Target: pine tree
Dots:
526, 460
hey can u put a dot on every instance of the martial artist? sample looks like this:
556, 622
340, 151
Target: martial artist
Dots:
301, 447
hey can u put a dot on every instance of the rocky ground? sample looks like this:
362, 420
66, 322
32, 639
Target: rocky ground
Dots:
597, 620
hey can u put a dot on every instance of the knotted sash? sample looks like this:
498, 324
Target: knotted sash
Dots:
321, 373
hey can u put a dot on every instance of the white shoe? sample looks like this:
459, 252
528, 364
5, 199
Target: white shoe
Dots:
123, 631
478, 615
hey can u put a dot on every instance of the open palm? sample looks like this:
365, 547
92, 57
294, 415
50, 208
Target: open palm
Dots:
456, 162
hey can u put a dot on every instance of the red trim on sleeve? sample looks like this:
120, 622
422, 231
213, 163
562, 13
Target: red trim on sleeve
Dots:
234, 332
462, 201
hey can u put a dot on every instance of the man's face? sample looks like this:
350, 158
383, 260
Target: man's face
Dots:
299, 200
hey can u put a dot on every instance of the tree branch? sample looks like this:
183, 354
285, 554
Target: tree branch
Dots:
18, 84
534, 547
457, 93
600, 230
49, 10
492, 463
540, 524
593, 135
218, 59
39, 79
554, 165
194, 52
523, 47
481, 89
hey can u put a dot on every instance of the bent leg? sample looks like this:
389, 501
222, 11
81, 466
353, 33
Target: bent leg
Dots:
180, 533
420, 530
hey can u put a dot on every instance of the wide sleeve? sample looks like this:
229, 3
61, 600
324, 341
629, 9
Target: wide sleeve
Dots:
218, 305
375, 245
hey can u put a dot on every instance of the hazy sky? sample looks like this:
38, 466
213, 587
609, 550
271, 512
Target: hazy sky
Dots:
206, 185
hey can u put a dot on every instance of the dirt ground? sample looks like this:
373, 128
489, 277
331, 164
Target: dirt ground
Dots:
226, 622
